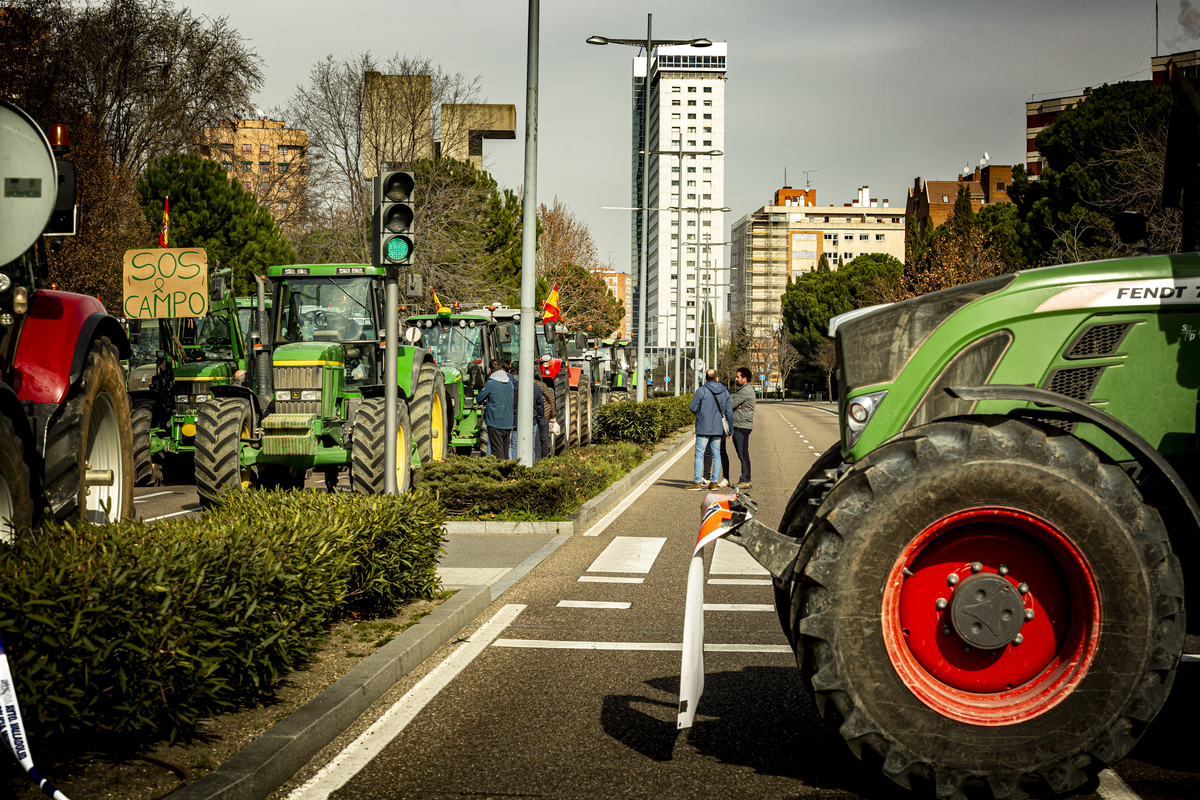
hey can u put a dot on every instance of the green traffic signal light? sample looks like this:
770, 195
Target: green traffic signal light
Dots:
398, 248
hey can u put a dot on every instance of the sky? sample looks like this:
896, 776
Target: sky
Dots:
858, 92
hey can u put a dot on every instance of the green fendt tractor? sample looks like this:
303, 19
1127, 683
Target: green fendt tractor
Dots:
464, 344
320, 403
553, 371
612, 371
175, 364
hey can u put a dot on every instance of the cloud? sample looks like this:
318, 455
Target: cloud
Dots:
1189, 19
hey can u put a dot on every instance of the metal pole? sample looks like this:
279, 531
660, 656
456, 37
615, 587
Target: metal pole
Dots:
641, 332
706, 366
528, 371
391, 315
679, 306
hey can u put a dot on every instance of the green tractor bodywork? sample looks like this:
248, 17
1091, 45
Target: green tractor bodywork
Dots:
323, 407
464, 344
613, 372
984, 580
553, 371
173, 370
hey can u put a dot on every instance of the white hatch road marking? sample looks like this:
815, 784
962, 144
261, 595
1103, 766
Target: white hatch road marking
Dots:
607, 579
148, 496
195, 510
590, 604
471, 576
730, 559
621, 507
366, 747
738, 607
629, 554
1113, 788
546, 644
740, 581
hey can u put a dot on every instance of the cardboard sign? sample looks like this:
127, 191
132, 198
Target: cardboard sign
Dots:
165, 282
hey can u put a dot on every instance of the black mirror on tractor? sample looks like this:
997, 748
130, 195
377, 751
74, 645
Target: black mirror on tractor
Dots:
551, 333
580, 341
475, 376
503, 334
216, 292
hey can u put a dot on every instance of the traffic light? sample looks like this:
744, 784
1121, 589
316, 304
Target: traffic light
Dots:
393, 220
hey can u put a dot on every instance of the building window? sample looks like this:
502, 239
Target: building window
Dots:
691, 116
246, 166
691, 102
246, 148
283, 206
227, 147
283, 149
708, 142
264, 166
264, 149
264, 186
691, 90
691, 197
945, 198
675, 102
691, 130
691, 183
674, 169
675, 143
675, 89
708, 130
826, 219
708, 90
675, 115
691, 169
708, 197
691, 223
228, 166
707, 223
674, 235
1000, 186
246, 185
674, 183
674, 130
691, 142
708, 184
879, 237
829, 236
708, 116
707, 169
862, 237
708, 102
848, 237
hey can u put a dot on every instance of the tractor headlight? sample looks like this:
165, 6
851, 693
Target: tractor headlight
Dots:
203, 398
283, 394
310, 394
181, 398
859, 411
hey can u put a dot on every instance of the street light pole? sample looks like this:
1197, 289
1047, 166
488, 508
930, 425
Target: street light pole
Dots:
528, 343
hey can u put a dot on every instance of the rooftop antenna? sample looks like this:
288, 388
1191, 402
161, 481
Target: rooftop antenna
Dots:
807, 172
785, 183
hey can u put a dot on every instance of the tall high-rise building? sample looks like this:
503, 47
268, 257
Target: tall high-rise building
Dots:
684, 97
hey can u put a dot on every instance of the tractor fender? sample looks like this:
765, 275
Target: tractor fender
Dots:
244, 392
573, 376
1146, 455
56, 335
10, 406
421, 356
550, 368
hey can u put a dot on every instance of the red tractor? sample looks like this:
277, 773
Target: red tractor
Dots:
66, 445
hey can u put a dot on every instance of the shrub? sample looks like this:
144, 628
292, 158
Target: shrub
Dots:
643, 423
135, 631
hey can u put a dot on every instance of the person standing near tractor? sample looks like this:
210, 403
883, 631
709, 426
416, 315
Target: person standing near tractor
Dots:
742, 402
496, 396
714, 418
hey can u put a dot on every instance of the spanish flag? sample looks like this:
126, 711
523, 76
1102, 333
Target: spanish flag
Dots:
437, 301
550, 312
162, 236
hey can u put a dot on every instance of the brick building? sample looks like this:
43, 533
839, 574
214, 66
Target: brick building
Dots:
267, 158
621, 286
930, 203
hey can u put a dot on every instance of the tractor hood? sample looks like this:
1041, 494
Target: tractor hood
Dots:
309, 354
204, 371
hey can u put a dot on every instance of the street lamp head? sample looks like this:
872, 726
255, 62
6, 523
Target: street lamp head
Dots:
701, 42
596, 40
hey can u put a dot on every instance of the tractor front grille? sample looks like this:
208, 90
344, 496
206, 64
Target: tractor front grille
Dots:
295, 379
1098, 341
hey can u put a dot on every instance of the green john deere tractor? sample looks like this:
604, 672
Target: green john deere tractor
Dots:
553, 371
464, 344
174, 366
320, 403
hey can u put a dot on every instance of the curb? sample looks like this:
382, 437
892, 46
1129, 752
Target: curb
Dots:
590, 511
282, 750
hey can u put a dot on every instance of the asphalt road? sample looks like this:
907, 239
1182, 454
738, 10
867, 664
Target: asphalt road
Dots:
563, 688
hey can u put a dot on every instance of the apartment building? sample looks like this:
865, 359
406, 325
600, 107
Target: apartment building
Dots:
780, 242
267, 158
684, 99
930, 203
621, 286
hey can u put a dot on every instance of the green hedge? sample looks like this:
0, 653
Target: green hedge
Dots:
133, 632
553, 487
643, 423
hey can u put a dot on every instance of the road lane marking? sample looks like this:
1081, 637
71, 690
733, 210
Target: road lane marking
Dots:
148, 496
620, 507
629, 554
590, 604
546, 644
1113, 788
607, 579
730, 559
366, 747
471, 576
738, 607
195, 510
740, 581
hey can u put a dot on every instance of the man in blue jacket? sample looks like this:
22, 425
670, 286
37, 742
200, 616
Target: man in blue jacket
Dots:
496, 397
710, 404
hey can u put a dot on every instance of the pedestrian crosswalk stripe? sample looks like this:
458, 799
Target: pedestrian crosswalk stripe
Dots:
590, 604
739, 581
629, 554
607, 579
546, 644
730, 559
738, 607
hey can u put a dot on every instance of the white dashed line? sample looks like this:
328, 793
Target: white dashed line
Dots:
590, 604
738, 607
629, 554
730, 559
155, 494
739, 581
1113, 788
607, 579
548, 644
176, 514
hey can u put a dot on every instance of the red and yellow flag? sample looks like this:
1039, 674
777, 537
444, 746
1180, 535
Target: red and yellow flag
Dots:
550, 312
162, 236
437, 302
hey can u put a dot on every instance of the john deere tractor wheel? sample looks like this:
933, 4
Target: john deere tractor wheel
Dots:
562, 410
16, 501
221, 424
89, 445
576, 418
428, 413
366, 453
983, 606
146, 472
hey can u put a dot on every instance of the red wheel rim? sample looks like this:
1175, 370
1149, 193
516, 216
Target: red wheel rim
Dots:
1021, 678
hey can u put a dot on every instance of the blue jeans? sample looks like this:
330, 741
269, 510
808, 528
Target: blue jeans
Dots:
713, 445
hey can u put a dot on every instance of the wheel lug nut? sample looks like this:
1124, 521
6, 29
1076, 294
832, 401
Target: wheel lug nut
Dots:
1018, 639
1023, 588
1028, 613
945, 630
966, 648
941, 604
1003, 569
952, 578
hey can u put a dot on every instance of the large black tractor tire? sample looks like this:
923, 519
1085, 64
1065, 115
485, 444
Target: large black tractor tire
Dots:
146, 472
16, 490
92, 430
798, 516
429, 415
948, 608
366, 452
576, 419
562, 406
587, 416
221, 424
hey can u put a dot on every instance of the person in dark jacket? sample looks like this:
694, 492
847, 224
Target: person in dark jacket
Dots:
496, 397
538, 410
710, 404
742, 402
